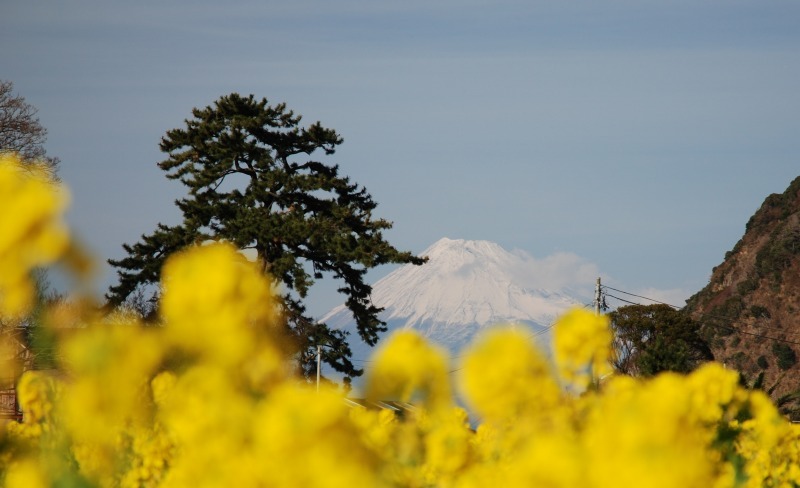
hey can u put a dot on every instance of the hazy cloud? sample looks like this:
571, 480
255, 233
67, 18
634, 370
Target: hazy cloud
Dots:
566, 270
557, 271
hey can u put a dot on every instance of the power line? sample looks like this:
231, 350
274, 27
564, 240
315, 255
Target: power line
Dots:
623, 300
711, 315
588, 305
638, 296
734, 329
727, 327
706, 315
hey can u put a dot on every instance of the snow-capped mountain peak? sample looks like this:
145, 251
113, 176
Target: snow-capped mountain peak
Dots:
464, 287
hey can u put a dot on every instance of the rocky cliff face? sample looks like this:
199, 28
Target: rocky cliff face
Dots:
750, 310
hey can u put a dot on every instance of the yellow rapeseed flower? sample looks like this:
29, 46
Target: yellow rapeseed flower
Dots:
36, 392
505, 374
582, 347
207, 398
406, 367
305, 438
32, 230
215, 303
27, 472
645, 435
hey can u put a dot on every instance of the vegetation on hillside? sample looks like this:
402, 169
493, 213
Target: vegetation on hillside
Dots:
650, 339
748, 311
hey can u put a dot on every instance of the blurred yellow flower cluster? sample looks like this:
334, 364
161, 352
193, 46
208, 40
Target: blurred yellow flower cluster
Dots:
209, 397
32, 231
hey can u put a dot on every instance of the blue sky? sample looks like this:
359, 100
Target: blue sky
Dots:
637, 136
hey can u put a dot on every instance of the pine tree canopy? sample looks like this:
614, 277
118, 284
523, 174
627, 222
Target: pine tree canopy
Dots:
249, 180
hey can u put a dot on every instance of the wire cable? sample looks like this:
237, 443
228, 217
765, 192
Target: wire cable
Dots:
638, 296
711, 315
727, 327
623, 300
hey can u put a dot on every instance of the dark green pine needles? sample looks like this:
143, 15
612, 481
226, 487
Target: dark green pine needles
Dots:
249, 180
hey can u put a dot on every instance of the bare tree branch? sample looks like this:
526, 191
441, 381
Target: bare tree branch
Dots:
20, 130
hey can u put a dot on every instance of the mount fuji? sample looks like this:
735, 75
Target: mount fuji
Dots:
465, 287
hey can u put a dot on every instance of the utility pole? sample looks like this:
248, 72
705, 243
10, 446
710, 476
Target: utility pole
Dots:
597, 297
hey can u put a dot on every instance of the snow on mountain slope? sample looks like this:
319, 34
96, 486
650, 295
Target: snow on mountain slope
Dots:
464, 287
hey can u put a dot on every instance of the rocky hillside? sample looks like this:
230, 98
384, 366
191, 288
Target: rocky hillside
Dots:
750, 310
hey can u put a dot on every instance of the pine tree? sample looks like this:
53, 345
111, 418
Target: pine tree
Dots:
249, 180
